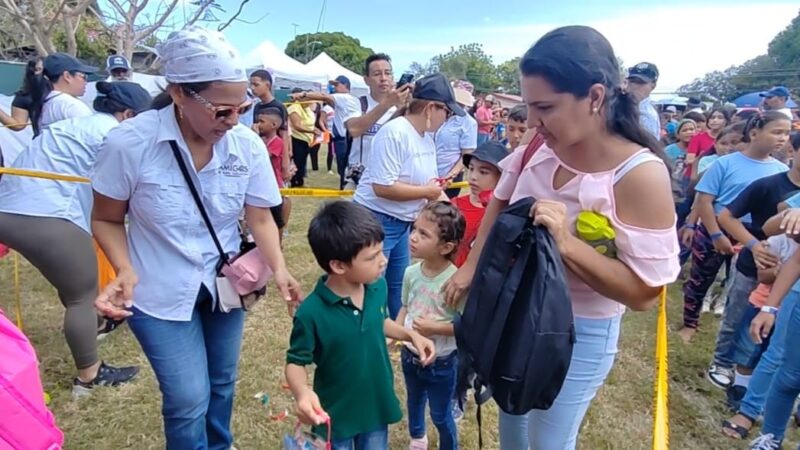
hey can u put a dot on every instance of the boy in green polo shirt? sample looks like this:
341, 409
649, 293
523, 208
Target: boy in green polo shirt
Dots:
342, 327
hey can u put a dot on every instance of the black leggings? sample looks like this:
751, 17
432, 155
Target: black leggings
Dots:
314, 157
300, 153
329, 157
64, 254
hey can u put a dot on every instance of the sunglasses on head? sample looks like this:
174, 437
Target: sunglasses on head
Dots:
220, 112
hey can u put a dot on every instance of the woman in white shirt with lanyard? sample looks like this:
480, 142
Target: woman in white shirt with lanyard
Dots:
47, 221
55, 93
401, 174
166, 260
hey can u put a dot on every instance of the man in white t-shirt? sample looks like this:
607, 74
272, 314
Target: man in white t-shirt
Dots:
775, 100
370, 112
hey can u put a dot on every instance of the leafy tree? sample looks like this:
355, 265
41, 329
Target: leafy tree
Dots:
346, 50
716, 85
509, 75
468, 62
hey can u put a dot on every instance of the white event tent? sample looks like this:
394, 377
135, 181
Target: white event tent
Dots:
287, 73
323, 63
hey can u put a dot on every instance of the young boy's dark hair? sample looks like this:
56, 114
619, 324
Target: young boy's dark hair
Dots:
519, 113
340, 230
696, 116
272, 112
450, 221
795, 140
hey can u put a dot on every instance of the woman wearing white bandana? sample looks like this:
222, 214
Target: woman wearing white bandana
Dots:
166, 264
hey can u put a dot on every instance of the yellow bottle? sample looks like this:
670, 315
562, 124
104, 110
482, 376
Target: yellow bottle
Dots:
596, 230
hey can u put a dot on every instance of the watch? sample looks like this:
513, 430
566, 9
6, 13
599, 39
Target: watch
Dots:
769, 309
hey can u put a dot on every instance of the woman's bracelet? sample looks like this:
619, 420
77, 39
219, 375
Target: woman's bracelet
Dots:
716, 236
690, 226
751, 243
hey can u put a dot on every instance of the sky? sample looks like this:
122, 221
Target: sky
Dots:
685, 39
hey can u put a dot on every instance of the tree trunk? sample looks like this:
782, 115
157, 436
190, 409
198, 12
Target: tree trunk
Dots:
69, 32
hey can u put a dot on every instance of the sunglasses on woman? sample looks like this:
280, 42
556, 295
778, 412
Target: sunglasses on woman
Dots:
447, 111
221, 112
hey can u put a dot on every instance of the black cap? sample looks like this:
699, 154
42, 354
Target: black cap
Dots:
491, 152
645, 71
131, 95
117, 62
58, 63
435, 87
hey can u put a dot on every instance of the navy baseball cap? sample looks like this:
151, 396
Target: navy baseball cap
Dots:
129, 94
57, 63
644, 71
436, 88
117, 62
491, 152
341, 79
777, 91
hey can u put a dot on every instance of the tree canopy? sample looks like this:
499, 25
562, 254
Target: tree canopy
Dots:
346, 50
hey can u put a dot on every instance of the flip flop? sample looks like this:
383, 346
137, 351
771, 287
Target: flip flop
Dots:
736, 431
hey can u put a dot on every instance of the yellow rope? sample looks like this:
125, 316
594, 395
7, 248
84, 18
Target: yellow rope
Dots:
661, 413
17, 297
289, 192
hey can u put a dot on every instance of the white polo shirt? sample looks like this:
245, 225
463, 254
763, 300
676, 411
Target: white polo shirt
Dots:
400, 155
459, 133
60, 106
170, 247
68, 147
345, 107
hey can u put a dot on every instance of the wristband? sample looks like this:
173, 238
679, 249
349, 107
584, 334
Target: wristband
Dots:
716, 236
690, 226
751, 243
769, 309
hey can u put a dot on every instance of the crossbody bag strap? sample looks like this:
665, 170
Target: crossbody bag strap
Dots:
198, 201
364, 107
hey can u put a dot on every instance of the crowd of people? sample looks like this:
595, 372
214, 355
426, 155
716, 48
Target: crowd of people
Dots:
178, 179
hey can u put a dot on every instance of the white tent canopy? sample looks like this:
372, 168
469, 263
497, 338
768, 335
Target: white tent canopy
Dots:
323, 63
286, 72
12, 143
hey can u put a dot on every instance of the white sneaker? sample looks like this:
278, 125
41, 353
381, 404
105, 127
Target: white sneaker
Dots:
419, 444
720, 377
706, 306
719, 309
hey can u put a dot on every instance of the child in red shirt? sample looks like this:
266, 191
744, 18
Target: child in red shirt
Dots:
483, 173
268, 122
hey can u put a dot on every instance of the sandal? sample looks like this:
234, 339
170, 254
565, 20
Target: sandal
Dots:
733, 430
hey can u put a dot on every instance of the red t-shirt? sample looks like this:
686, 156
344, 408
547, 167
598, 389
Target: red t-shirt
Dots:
699, 146
275, 150
473, 215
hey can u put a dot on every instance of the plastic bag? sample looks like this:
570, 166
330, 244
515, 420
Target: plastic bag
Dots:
304, 440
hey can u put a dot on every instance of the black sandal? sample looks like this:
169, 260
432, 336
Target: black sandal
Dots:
740, 431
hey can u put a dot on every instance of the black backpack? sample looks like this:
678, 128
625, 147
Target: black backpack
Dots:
516, 332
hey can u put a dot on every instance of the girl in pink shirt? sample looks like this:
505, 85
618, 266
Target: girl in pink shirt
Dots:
596, 159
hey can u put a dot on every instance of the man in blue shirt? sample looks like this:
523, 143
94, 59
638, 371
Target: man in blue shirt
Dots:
641, 81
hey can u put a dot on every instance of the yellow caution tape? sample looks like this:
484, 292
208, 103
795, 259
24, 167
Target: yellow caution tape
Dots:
661, 412
288, 192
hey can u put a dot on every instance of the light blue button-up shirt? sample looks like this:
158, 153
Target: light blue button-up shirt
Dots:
170, 247
67, 147
648, 118
452, 138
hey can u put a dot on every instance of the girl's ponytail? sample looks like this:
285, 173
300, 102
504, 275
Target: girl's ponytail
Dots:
40, 89
760, 120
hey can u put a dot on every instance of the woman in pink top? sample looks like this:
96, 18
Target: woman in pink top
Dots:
596, 158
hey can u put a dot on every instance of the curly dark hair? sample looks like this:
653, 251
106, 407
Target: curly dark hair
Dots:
450, 221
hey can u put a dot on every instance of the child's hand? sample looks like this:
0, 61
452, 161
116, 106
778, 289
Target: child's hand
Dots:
425, 327
425, 348
761, 326
308, 409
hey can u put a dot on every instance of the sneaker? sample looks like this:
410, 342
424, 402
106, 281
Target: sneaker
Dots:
734, 395
765, 442
109, 325
106, 376
330, 172
419, 444
706, 306
721, 377
458, 413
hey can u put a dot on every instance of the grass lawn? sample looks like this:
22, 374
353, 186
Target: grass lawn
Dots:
129, 417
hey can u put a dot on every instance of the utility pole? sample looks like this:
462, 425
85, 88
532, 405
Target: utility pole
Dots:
294, 53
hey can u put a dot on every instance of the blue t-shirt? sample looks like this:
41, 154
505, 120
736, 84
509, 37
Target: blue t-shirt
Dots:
674, 152
731, 174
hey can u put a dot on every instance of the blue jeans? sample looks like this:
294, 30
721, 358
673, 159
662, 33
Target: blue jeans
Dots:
786, 382
434, 384
483, 138
746, 352
340, 149
374, 440
557, 428
195, 363
396, 250
752, 405
735, 306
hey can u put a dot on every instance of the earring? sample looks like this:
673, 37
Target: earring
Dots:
180, 113
594, 110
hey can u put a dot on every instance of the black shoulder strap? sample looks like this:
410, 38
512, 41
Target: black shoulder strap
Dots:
198, 201
364, 107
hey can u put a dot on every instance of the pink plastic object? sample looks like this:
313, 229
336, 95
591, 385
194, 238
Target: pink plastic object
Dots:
25, 421
3, 250
248, 273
